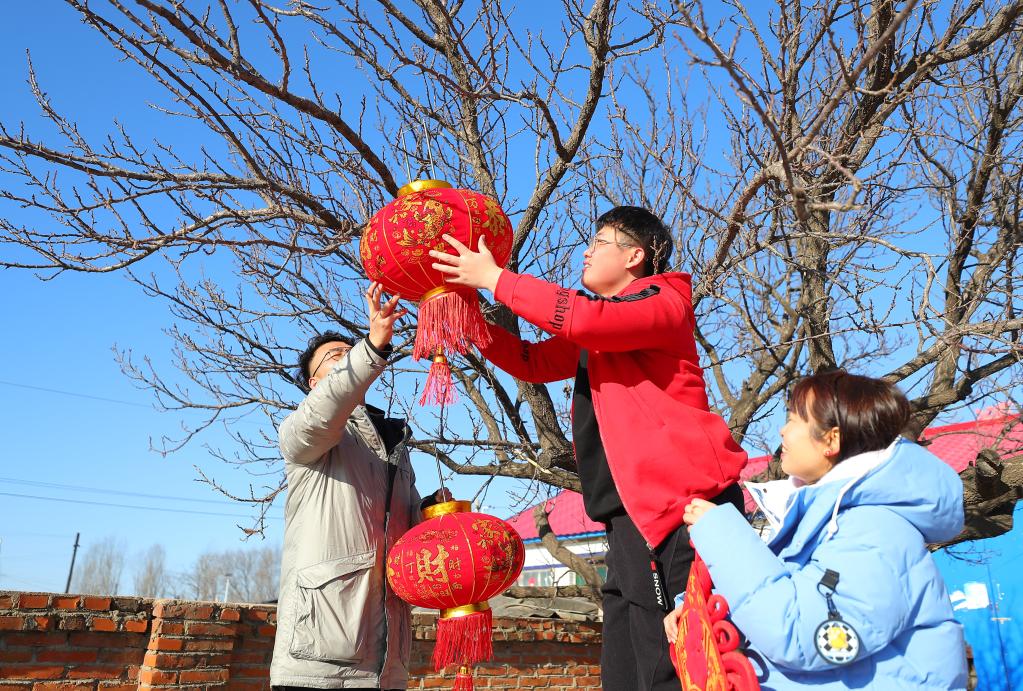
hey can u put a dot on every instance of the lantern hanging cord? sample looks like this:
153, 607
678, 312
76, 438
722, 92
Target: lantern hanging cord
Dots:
404, 150
436, 448
429, 143
429, 150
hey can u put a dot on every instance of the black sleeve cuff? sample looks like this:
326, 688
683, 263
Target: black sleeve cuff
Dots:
428, 501
384, 353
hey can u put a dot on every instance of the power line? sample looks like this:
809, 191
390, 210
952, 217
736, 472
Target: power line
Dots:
127, 506
99, 490
79, 395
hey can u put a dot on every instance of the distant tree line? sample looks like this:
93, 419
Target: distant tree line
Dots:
234, 575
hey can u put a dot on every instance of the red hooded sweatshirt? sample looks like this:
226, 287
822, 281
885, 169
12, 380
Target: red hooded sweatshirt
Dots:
663, 445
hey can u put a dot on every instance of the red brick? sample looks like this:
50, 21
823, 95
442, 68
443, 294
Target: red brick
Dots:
12, 623
230, 615
136, 625
94, 672
122, 656
250, 671
23, 686
33, 601
157, 677
170, 660
66, 602
62, 686
171, 609
191, 645
200, 628
242, 685
168, 628
72, 622
96, 604
65, 655
161, 643
267, 631
20, 655
115, 686
7, 601
248, 658
35, 638
31, 672
201, 676
103, 624
105, 639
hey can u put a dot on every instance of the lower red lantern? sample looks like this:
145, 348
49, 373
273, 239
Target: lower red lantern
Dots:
706, 654
455, 561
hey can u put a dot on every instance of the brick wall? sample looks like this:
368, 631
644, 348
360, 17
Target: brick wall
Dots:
52, 642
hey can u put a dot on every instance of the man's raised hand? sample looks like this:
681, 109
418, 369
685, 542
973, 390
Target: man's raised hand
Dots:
381, 317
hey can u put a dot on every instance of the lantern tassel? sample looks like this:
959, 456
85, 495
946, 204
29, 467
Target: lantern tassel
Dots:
463, 680
464, 639
449, 319
439, 389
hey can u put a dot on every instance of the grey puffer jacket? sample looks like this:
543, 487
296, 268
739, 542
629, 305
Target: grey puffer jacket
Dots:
338, 624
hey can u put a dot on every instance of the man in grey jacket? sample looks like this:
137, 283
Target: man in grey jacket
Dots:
351, 495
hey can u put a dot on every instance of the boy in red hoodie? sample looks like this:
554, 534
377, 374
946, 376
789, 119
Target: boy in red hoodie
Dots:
645, 441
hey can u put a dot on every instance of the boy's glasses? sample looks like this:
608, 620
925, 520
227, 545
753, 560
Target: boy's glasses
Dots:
596, 242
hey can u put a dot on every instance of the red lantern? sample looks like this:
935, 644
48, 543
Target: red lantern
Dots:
395, 250
455, 561
706, 654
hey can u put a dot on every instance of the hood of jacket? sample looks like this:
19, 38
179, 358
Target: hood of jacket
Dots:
904, 478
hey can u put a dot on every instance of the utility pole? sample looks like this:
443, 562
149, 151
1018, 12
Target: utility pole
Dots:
67, 588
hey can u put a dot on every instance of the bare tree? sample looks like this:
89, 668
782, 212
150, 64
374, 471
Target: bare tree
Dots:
843, 177
101, 568
239, 575
151, 577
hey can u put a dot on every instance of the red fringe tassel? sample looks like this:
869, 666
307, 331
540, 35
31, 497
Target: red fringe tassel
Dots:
464, 640
452, 321
439, 389
463, 680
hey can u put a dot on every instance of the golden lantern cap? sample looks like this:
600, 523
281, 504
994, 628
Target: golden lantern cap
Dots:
420, 185
446, 507
464, 610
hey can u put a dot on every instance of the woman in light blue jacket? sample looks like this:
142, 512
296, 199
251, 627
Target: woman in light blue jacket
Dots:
844, 594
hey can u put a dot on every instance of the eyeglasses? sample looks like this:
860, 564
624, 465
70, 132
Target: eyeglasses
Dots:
596, 242
334, 353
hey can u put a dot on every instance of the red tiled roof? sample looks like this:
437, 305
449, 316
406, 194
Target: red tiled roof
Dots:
956, 444
567, 517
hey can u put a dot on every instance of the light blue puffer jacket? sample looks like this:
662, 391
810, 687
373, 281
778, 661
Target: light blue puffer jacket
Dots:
869, 519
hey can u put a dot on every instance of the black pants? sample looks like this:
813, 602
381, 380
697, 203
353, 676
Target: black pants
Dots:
634, 656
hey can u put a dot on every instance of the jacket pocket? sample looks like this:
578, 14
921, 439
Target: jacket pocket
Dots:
333, 595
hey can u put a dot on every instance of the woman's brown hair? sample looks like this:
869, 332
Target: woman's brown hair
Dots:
869, 413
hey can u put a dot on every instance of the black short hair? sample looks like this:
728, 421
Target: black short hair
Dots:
646, 229
869, 413
303, 374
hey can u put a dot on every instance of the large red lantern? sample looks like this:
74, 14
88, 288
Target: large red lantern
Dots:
395, 250
455, 561
706, 654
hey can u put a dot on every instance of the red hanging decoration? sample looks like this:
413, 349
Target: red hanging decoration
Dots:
439, 389
706, 654
455, 561
395, 250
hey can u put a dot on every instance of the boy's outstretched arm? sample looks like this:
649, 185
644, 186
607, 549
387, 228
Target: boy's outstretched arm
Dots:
648, 318
538, 363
